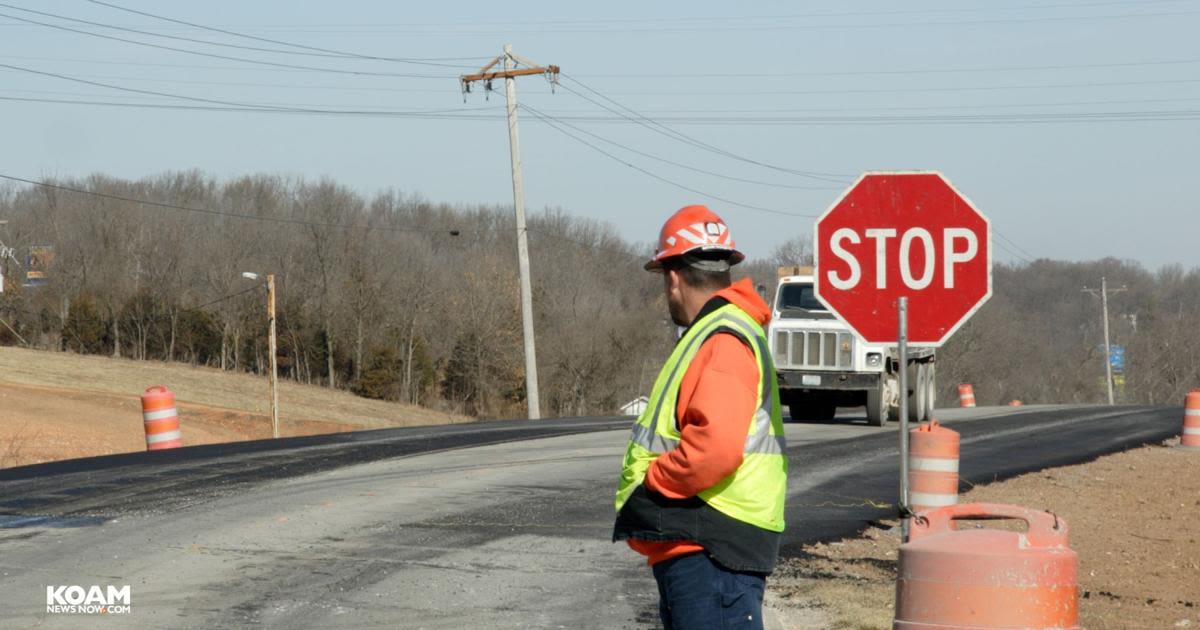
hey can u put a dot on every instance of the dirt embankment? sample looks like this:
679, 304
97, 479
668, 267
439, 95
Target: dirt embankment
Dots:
59, 405
1133, 519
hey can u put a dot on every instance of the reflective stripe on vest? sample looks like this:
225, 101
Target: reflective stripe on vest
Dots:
754, 493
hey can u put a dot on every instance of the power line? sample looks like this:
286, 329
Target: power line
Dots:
678, 112
259, 84
234, 215
551, 121
661, 129
337, 27
179, 37
546, 118
450, 231
226, 57
225, 298
75, 316
256, 84
231, 104
1010, 251
156, 65
728, 18
658, 76
250, 109
760, 28
367, 228
1028, 257
681, 165
811, 27
263, 106
591, 246
316, 51
688, 93
129, 89
984, 118
450, 114
911, 90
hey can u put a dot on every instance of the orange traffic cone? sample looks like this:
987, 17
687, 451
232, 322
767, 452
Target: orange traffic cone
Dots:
1190, 439
160, 419
932, 466
966, 395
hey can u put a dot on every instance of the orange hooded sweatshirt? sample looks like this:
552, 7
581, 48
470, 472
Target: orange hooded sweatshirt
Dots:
716, 404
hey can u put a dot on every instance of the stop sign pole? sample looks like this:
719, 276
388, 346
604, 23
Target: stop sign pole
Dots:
902, 351
904, 243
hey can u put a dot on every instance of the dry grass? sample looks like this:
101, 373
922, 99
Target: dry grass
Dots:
210, 387
14, 444
839, 585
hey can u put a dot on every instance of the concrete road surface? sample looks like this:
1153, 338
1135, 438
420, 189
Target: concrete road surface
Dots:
494, 525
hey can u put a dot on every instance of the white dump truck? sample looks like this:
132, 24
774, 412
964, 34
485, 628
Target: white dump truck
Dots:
822, 365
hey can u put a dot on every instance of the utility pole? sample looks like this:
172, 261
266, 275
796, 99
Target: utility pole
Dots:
5, 253
1103, 295
274, 363
509, 74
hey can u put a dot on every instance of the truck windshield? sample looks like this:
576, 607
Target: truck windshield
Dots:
798, 300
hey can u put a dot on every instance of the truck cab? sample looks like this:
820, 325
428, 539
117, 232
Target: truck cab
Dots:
823, 365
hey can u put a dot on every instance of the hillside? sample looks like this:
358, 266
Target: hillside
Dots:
60, 405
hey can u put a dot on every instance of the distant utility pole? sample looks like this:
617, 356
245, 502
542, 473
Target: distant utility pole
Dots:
5, 253
509, 74
273, 346
1103, 295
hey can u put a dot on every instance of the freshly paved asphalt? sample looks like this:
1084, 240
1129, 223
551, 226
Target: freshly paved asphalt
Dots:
482, 525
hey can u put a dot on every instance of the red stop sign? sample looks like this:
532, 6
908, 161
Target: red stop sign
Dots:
903, 234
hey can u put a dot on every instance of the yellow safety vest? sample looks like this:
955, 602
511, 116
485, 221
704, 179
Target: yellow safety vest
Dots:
755, 492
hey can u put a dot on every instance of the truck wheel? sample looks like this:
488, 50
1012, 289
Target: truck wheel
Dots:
916, 399
891, 397
877, 408
825, 409
813, 409
930, 390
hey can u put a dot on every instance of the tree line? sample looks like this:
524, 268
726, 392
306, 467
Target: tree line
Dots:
396, 297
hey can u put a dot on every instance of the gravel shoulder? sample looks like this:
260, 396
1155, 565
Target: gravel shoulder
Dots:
1133, 522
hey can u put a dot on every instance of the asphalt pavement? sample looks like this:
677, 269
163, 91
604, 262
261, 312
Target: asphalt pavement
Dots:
499, 525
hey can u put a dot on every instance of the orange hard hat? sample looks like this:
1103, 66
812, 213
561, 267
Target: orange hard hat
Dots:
694, 229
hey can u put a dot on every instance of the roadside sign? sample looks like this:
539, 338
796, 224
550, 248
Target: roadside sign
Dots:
38, 263
903, 234
1116, 358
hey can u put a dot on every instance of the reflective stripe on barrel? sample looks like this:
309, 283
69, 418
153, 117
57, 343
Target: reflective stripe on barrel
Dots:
160, 419
932, 467
966, 395
1191, 421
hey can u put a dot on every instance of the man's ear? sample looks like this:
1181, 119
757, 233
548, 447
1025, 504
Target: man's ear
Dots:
673, 279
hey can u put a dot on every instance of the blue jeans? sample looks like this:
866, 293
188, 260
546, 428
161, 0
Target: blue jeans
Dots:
695, 593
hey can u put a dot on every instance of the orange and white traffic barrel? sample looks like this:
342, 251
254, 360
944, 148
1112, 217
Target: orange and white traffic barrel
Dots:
1015, 403
161, 419
987, 578
1190, 439
932, 467
966, 395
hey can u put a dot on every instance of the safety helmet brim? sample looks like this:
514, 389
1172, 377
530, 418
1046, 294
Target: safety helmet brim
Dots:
656, 263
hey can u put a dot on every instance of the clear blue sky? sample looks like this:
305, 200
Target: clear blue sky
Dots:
1074, 125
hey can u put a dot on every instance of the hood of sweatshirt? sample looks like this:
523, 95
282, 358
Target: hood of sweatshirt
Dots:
743, 295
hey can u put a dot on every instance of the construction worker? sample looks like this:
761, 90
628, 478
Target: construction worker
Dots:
704, 477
